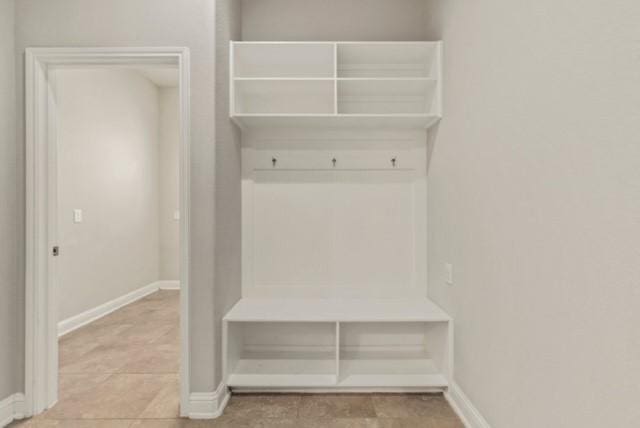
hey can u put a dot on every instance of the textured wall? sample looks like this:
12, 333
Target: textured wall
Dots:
187, 23
534, 196
107, 127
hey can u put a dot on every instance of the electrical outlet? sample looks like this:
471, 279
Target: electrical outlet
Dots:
448, 268
77, 216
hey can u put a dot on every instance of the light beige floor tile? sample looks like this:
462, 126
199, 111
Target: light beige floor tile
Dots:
336, 406
152, 358
337, 423
166, 404
412, 405
263, 406
119, 397
406, 423
75, 423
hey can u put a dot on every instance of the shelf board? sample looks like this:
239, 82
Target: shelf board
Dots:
280, 381
332, 310
367, 121
284, 369
388, 369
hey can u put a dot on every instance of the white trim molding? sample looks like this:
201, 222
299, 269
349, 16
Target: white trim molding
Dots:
468, 413
41, 320
84, 318
11, 408
168, 285
209, 405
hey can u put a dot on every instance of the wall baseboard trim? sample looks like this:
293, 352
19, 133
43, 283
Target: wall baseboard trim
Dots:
84, 318
169, 285
11, 408
208, 405
465, 409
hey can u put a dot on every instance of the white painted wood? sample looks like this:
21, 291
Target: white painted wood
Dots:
283, 59
334, 219
332, 310
168, 285
281, 380
208, 405
387, 59
73, 323
40, 311
465, 409
392, 85
266, 97
351, 231
386, 96
11, 408
346, 121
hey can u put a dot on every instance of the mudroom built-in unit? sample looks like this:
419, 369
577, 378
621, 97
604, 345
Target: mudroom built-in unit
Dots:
334, 218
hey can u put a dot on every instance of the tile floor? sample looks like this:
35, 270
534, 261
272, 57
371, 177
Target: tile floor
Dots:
121, 371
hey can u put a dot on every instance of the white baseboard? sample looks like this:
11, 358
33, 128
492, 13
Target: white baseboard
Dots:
77, 321
208, 405
11, 408
465, 409
169, 285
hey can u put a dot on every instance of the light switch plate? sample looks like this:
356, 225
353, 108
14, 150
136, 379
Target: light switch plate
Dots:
77, 216
176, 215
448, 268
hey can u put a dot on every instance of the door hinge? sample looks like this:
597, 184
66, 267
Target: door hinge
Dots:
55, 251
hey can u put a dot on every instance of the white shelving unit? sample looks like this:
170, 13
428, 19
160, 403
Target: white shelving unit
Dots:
334, 219
394, 85
344, 344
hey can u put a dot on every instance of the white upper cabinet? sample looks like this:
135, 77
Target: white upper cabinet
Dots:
394, 85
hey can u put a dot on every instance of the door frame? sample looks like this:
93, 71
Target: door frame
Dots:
41, 335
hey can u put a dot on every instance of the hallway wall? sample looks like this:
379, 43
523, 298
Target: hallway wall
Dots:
534, 197
169, 184
189, 23
108, 140
10, 285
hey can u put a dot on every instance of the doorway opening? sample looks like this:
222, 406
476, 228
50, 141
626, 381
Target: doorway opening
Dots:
107, 223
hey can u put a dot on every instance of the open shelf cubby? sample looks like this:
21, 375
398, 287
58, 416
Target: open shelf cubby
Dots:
302, 344
388, 59
372, 96
359, 85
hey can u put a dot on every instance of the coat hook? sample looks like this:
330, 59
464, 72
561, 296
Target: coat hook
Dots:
393, 162
334, 160
274, 161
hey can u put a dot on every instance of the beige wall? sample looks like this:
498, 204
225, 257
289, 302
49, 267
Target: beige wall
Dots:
10, 285
169, 181
534, 196
108, 166
187, 23
228, 196
333, 20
